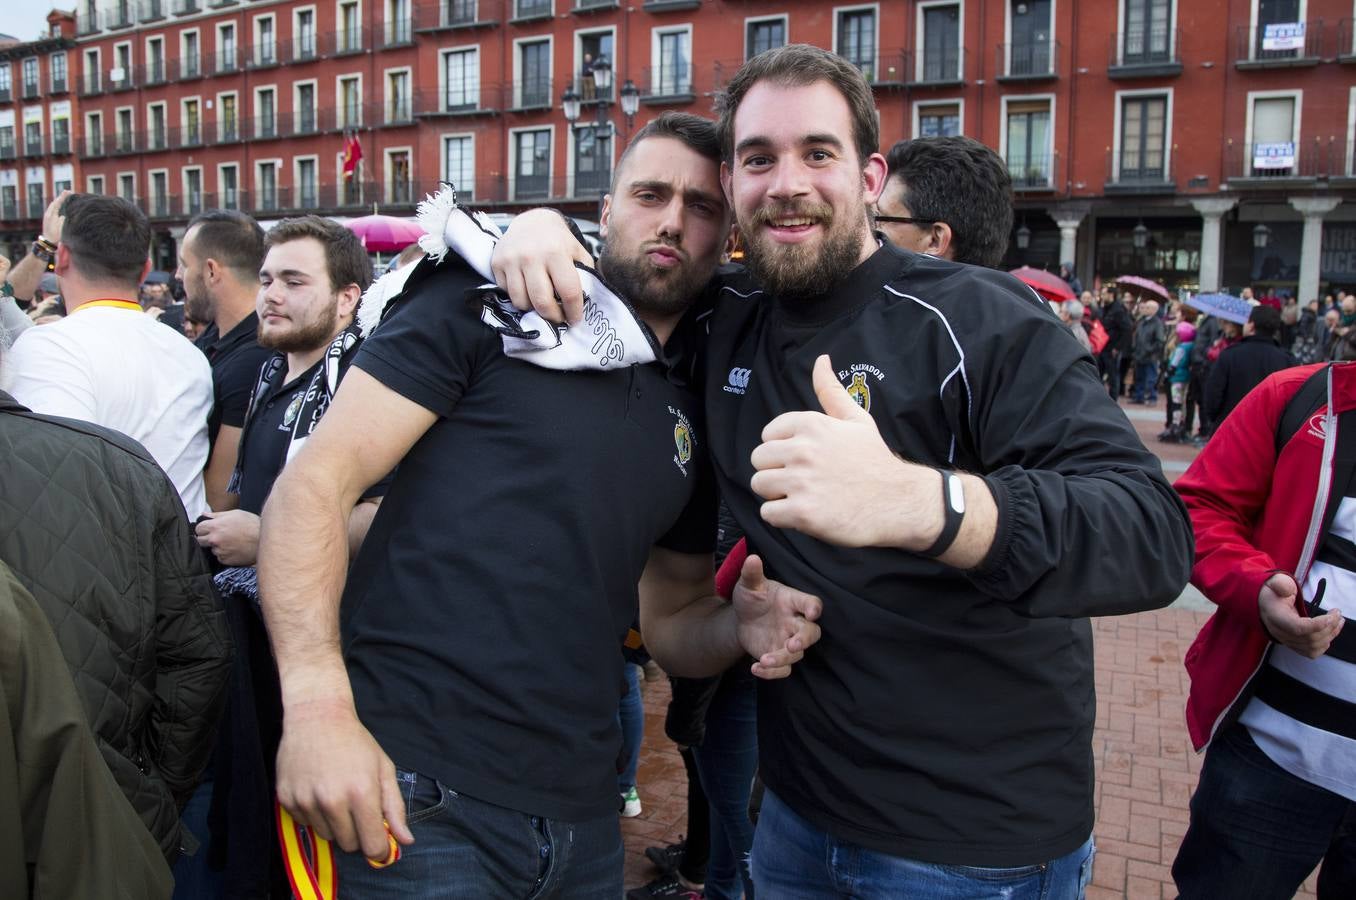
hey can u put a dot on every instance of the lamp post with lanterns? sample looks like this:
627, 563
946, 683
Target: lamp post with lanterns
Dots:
603, 129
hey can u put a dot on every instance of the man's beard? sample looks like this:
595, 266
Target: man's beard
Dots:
197, 304
663, 292
301, 338
794, 271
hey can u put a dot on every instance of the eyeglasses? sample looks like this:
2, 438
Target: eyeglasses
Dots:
906, 220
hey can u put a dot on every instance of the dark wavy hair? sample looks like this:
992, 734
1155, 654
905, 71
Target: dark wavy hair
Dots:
109, 239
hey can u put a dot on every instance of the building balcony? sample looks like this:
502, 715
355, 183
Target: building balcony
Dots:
398, 112
61, 145
534, 93
186, 7
158, 206
668, 85
397, 34
1145, 53
891, 69
1278, 46
9, 211
263, 128
57, 85
1280, 165
530, 10
227, 199
187, 205
1033, 174
36, 207
90, 84
343, 42
157, 139
1028, 61
454, 14
121, 80
262, 56
186, 136
1133, 174
584, 7
468, 100
939, 68
663, 6
189, 68
1346, 41
151, 10
126, 142
6, 95
7, 150
31, 90
33, 149
93, 146
225, 61
152, 73
222, 132
300, 50
86, 23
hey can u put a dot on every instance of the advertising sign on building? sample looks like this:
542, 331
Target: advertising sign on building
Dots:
1283, 36
1337, 261
1273, 156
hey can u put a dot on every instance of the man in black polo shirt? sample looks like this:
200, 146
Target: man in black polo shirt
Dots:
219, 259
483, 618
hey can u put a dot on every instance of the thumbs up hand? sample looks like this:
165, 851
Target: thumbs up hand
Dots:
830, 475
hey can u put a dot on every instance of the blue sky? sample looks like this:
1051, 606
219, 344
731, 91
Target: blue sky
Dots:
24, 20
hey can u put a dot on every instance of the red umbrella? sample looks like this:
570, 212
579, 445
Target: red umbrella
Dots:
385, 234
1144, 284
1047, 284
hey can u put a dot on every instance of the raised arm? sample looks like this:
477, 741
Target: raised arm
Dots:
534, 262
332, 775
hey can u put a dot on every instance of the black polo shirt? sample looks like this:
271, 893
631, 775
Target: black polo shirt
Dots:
484, 617
235, 361
264, 446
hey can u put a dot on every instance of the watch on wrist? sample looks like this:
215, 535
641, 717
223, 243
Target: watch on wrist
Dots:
43, 251
953, 511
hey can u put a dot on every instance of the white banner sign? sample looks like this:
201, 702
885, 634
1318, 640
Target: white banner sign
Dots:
60, 110
1283, 36
1273, 156
32, 114
9, 178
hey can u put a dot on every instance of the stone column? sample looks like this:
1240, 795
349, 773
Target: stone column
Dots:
1313, 209
1211, 209
1068, 216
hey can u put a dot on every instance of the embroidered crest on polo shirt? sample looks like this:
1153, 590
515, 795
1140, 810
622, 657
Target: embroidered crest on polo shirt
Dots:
857, 379
293, 408
683, 440
738, 381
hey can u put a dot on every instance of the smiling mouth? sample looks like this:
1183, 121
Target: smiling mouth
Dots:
801, 222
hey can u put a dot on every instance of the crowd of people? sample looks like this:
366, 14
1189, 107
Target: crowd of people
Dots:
374, 560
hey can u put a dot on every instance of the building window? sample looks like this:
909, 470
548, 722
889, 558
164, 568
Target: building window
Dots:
398, 97
31, 77
94, 134
33, 138
126, 131
764, 34
1029, 52
941, 43
90, 77
530, 9
857, 39
160, 207
158, 132
230, 119
461, 77
121, 76
306, 183
36, 203
397, 21
591, 47
1144, 125
304, 41
350, 28
62, 180
61, 135
228, 180
192, 191
1028, 143
1274, 16
226, 61
459, 165
942, 120
1273, 151
398, 186
95, 183
534, 64
192, 128
458, 12
305, 107
592, 167
9, 201
265, 42
350, 102
57, 69
266, 187
532, 179
127, 187
1147, 37
7, 139
673, 76
155, 61
6, 86
265, 115
190, 65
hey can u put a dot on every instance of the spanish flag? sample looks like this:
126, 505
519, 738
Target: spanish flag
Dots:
353, 153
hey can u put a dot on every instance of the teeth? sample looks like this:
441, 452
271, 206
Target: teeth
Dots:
792, 223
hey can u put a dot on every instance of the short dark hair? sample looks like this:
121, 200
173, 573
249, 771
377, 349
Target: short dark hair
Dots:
797, 65
696, 133
231, 238
1265, 320
109, 239
345, 259
959, 181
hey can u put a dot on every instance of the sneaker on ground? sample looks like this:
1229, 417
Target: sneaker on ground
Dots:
652, 670
668, 858
668, 888
630, 803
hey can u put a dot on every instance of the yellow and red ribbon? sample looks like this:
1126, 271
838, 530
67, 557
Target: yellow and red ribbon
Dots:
309, 859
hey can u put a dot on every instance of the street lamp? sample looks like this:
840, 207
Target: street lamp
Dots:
603, 130
1023, 236
1140, 236
1260, 235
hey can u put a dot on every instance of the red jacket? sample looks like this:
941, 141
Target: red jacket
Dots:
1246, 531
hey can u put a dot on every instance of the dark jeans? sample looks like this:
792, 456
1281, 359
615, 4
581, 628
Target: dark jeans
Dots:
727, 759
794, 860
1257, 831
1112, 374
631, 715
467, 849
1146, 381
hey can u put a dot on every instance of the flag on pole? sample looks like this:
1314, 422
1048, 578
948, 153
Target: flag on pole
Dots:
353, 153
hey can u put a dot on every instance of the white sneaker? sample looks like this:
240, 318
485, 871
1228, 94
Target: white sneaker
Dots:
630, 803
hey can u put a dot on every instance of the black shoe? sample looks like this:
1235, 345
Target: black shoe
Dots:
667, 859
668, 887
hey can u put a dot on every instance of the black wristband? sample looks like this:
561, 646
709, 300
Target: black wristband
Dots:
953, 509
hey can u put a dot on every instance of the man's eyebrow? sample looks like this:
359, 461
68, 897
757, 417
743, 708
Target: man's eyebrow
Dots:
828, 138
651, 184
285, 273
695, 195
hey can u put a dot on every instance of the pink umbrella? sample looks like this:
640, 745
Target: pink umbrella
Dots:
385, 234
1144, 284
1047, 284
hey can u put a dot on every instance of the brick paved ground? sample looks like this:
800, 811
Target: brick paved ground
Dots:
1146, 770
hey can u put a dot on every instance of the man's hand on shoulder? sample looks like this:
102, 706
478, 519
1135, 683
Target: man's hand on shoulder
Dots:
333, 777
775, 623
1307, 636
534, 262
232, 536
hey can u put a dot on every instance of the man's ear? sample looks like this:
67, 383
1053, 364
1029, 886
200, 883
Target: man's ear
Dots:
939, 241
874, 173
731, 242
605, 216
347, 301
725, 175
61, 264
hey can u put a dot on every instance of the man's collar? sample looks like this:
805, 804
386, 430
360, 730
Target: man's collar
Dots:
856, 288
244, 330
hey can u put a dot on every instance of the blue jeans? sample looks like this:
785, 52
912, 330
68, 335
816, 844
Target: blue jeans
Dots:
794, 860
727, 759
1146, 381
467, 849
194, 879
1257, 831
631, 714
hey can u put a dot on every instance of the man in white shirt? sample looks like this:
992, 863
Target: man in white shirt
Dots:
108, 362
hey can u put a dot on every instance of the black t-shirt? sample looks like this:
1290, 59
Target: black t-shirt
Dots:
483, 618
263, 447
944, 715
235, 361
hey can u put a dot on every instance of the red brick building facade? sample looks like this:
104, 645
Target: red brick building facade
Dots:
1206, 143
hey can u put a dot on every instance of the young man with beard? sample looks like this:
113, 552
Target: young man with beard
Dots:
219, 260
926, 447
472, 699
